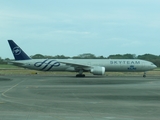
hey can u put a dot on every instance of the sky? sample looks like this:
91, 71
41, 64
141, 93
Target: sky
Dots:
73, 27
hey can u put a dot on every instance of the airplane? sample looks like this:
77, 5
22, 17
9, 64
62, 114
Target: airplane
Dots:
94, 66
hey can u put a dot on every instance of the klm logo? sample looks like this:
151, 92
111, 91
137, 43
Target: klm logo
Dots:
16, 51
132, 67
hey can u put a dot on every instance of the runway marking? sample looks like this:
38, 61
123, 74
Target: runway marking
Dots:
3, 94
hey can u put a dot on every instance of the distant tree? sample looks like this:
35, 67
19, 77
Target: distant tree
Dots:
101, 57
152, 58
7, 59
148, 57
61, 57
134, 56
129, 56
38, 56
125, 56
117, 56
1, 60
48, 57
85, 56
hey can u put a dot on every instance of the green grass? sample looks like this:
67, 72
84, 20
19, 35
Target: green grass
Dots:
8, 66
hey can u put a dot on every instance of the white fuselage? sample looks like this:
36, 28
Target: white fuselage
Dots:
73, 65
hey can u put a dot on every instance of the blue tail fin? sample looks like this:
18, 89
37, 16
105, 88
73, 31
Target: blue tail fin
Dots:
18, 53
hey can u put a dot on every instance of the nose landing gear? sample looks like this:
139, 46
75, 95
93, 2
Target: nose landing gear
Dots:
144, 75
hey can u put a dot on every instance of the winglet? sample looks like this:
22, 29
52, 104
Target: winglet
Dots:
18, 53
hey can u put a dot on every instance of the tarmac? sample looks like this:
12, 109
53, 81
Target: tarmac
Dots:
49, 97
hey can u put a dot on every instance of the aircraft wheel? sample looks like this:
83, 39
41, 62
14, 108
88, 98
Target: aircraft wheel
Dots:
83, 75
80, 75
144, 75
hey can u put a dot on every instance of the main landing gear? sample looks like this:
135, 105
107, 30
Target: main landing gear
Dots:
80, 74
144, 75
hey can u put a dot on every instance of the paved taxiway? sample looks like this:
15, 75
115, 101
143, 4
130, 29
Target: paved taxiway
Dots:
40, 97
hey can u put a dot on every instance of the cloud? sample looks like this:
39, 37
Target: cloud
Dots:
95, 26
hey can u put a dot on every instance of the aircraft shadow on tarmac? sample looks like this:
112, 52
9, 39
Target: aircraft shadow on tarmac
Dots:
5, 79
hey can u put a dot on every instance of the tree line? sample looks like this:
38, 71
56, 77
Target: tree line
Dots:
149, 57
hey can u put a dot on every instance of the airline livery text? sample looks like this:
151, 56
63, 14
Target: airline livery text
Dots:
125, 62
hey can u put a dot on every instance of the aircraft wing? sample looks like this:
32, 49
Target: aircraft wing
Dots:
16, 63
73, 64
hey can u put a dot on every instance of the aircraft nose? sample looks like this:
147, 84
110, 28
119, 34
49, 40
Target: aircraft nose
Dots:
154, 66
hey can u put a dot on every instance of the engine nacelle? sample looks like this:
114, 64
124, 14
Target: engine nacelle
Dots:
98, 70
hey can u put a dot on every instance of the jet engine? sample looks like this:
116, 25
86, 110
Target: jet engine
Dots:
98, 70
